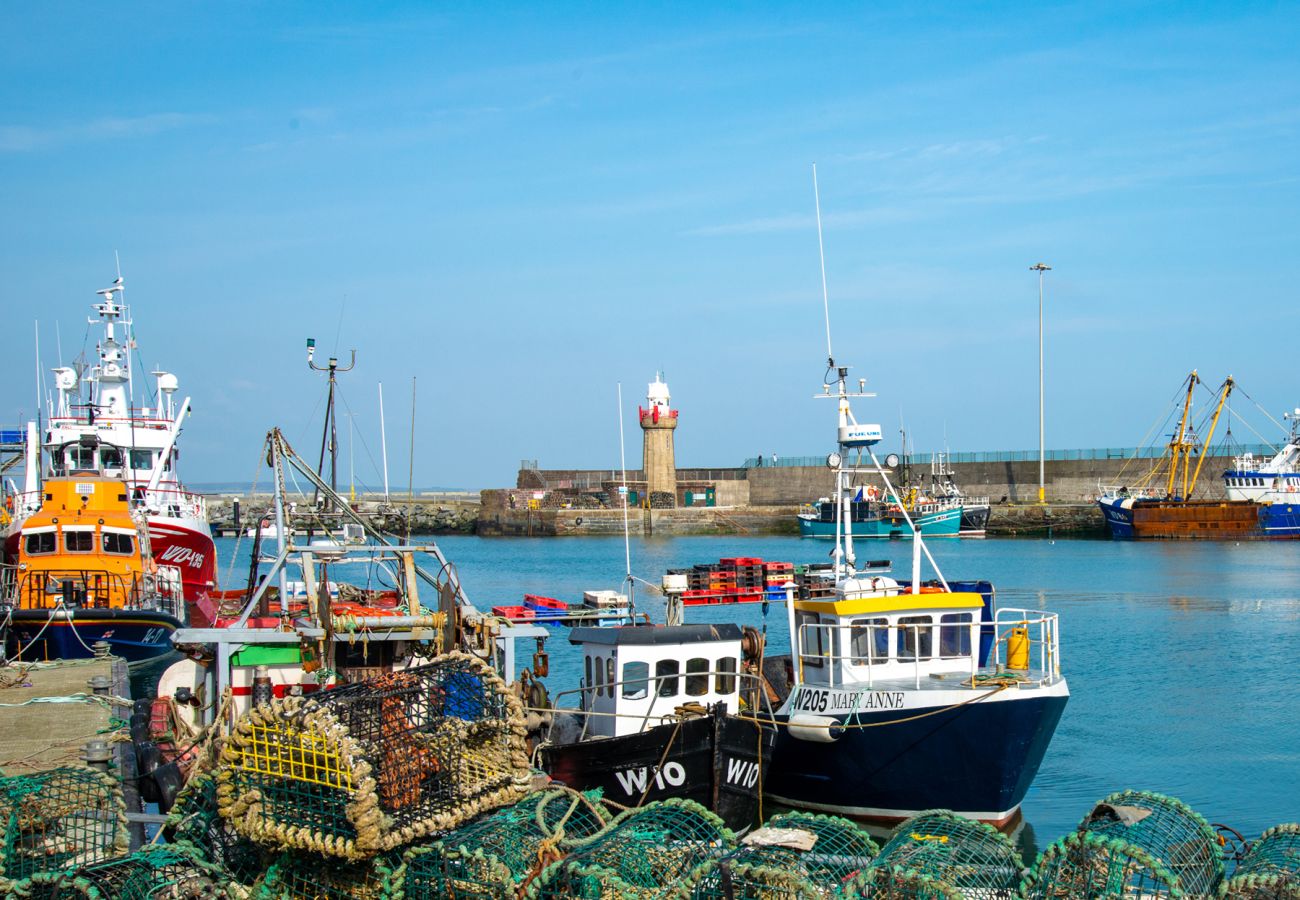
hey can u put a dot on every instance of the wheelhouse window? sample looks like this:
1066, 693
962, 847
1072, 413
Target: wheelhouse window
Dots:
142, 459
666, 671
118, 543
599, 669
697, 677
724, 681
636, 680
110, 457
916, 635
609, 677
869, 641
79, 541
954, 635
812, 639
80, 458
587, 660
41, 542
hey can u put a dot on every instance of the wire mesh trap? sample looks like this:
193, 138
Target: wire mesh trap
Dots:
57, 820
643, 853
940, 854
370, 766
1132, 844
155, 872
493, 857
1271, 870
195, 824
795, 856
309, 876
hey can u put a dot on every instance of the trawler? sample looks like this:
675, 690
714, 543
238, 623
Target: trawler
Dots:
95, 427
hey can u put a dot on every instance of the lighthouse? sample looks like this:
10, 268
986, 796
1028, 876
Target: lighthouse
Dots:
658, 421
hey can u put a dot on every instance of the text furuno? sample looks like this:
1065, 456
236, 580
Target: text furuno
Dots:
182, 556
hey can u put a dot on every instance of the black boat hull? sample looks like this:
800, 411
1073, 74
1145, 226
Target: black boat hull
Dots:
717, 760
132, 634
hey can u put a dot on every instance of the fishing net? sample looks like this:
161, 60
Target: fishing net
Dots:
1271, 870
194, 823
939, 854
1133, 844
155, 872
795, 856
309, 876
492, 857
643, 853
370, 766
57, 820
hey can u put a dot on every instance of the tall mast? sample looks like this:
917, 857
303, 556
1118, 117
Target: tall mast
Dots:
1205, 447
1177, 445
329, 436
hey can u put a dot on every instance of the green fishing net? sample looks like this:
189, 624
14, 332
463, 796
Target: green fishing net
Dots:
371, 766
59, 819
195, 823
297, 875
1133, 844
773, 865
492, 857
643, 853
941, 855
154, 872
1271, 870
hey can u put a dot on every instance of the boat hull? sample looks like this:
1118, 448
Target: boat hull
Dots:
974, 520
134, 635
186, 544
1233, 520
943, 523
977, 760
718, 761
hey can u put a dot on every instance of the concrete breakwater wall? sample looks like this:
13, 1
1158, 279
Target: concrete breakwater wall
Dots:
497, 519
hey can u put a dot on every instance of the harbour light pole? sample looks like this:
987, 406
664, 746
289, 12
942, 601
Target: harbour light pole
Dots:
1040, 268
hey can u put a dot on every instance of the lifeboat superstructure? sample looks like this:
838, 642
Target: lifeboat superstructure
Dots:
85, 573
95, 428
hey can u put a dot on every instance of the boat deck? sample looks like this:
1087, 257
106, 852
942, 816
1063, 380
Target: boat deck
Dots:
35, 736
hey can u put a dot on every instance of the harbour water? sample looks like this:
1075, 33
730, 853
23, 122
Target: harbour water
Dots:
1181, 656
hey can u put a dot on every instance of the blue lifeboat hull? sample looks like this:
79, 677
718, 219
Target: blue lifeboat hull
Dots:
133, 635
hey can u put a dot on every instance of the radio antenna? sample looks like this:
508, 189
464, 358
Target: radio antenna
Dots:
821, 252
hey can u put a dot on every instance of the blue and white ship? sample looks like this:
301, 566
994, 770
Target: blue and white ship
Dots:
904, 696
1274, 484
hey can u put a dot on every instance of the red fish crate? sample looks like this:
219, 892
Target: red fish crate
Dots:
513, 613
550, 604
741, 561
778, 567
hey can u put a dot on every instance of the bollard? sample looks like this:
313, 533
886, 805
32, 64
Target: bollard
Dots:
100, 649
97, 754
262, 690
99, 685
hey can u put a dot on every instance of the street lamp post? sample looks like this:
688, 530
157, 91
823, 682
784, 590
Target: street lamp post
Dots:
1040, 268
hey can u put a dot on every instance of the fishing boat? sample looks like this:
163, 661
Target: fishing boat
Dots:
943, 487
867, 515
95, 427
658, 716
906, 695
85, 573
1262, 497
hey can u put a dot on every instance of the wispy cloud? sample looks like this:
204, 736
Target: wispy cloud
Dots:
26, 138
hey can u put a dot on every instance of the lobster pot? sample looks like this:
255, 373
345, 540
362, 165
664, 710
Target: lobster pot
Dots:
59, 819
942, 855
1133, 844
309, 876
157, 871
643, 853
492, 857
795, 856
1271, 870
366, 767
195, 825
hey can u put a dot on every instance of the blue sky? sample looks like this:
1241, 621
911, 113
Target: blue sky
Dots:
522, 205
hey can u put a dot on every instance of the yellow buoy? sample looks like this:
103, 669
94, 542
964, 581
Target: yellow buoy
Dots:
1018, 648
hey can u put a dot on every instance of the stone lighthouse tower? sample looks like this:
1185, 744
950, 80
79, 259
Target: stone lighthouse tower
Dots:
658, 421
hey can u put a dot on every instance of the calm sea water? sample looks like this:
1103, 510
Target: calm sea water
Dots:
1181, 657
